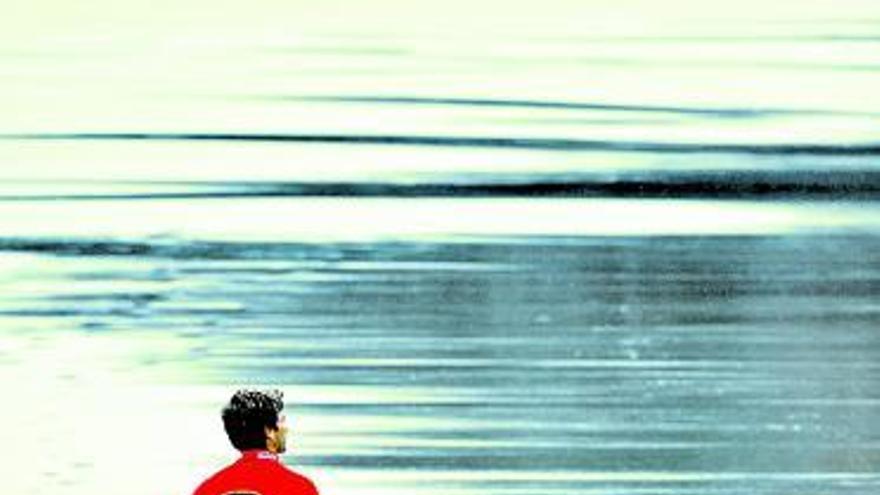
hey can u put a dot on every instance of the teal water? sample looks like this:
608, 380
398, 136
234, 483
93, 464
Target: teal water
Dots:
572, 247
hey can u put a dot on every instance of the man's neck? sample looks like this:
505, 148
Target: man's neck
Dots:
260, 454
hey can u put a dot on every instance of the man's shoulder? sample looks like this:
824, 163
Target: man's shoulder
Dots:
211, 484
296, 480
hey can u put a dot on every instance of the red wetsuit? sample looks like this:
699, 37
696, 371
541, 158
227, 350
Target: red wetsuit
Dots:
258, 472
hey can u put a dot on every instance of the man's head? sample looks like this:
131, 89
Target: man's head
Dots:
253, 420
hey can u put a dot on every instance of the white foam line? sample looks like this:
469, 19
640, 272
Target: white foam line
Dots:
347, 219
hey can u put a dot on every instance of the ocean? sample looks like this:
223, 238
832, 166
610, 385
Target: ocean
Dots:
545, 248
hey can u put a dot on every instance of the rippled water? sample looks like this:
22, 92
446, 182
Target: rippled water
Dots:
567, 248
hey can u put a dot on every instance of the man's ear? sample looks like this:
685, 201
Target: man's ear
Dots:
271, 433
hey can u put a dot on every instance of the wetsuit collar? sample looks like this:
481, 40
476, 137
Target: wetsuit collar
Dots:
259, 455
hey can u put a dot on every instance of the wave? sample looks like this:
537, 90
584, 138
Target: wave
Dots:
560, 105
278, 257
771, 185
550, 144
296, 256
168, 248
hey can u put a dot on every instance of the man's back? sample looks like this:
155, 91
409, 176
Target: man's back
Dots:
257, 472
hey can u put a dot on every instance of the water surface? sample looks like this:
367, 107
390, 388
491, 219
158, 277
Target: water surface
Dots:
520, 249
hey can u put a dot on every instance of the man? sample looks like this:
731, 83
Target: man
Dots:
256, 427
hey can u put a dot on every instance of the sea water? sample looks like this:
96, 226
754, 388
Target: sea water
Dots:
556, 247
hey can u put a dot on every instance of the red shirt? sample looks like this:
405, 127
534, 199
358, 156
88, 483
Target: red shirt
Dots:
257, 472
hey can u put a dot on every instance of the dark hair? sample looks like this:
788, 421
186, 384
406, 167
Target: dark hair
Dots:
247, 415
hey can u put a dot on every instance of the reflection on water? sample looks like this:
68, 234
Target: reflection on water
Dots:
521, 249
672, 364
